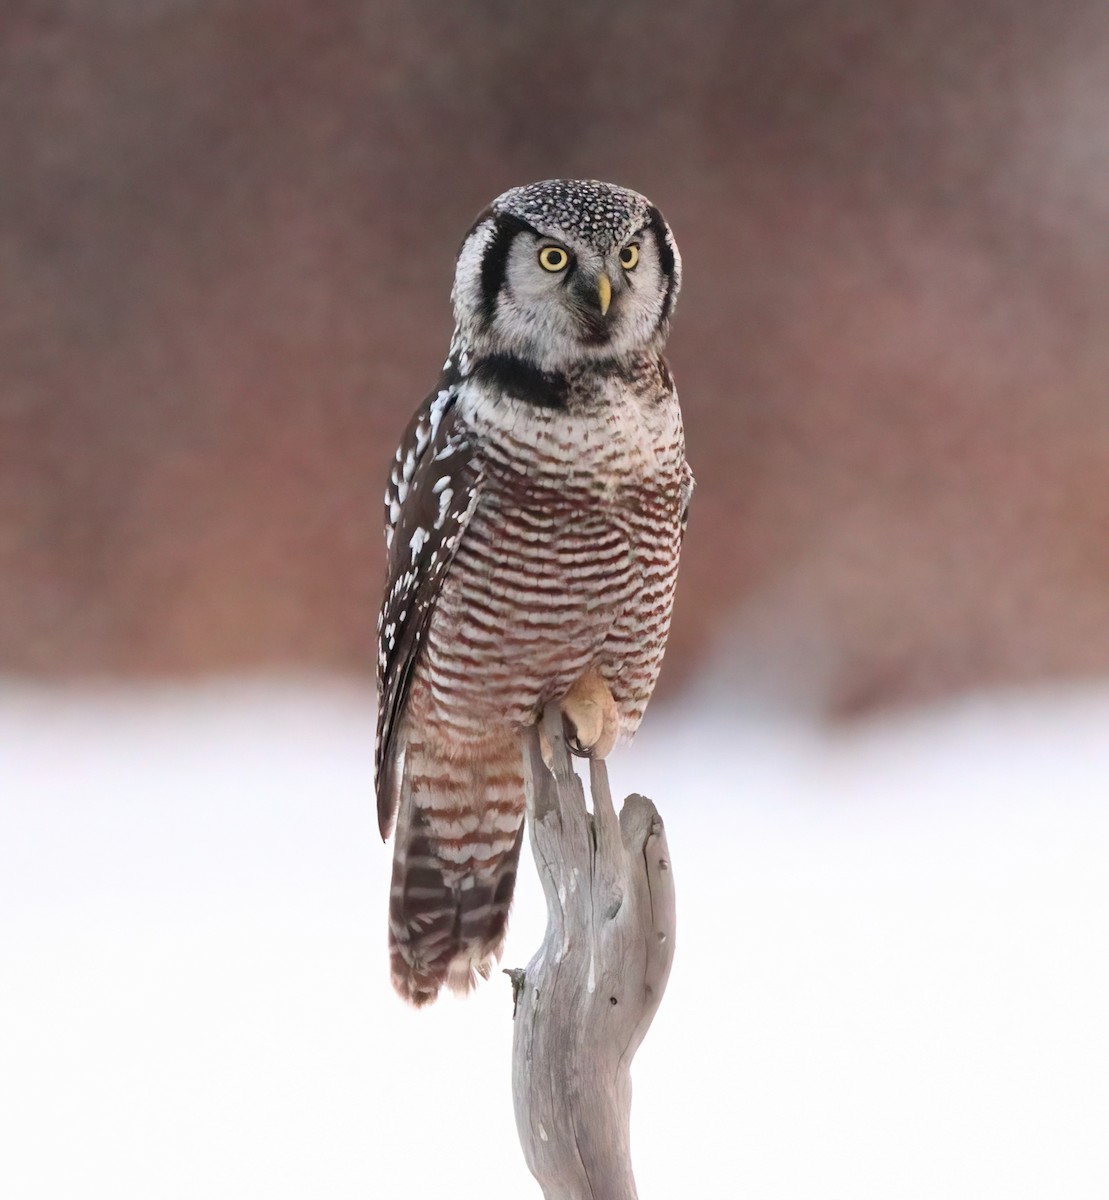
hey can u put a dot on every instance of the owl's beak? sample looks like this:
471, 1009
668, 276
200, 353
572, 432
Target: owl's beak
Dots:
604, 292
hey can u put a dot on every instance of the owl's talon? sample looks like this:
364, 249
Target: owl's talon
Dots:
570, 733
569, 737
590, 717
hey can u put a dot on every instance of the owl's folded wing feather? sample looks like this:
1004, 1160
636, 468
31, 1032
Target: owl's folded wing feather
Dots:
432, 492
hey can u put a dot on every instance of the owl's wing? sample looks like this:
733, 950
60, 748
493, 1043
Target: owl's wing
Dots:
432, 492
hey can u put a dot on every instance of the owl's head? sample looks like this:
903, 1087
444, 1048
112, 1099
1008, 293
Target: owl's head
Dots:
564, 271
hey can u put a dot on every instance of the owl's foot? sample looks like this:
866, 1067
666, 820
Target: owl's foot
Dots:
590, 717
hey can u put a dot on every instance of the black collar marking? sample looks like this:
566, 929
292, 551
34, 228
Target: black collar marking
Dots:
522, 381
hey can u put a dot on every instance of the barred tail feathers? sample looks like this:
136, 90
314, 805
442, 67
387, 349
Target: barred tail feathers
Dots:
454, 866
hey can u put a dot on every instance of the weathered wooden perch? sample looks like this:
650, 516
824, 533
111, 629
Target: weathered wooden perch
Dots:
585, 1001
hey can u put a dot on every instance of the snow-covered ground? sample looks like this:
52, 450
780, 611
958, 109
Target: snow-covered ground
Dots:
892, 974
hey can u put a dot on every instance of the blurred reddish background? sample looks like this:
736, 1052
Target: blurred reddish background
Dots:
227, 233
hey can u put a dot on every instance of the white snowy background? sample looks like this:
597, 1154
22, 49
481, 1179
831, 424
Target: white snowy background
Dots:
892, 972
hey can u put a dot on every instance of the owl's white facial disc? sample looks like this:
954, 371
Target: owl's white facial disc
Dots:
560, 273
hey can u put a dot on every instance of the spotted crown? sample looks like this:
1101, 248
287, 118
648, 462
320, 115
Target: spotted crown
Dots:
599, 213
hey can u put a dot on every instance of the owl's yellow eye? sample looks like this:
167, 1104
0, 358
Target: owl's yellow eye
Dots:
553, 258
629, 256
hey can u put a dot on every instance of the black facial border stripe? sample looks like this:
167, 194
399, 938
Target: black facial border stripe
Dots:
657, 225
480, 219
495, 259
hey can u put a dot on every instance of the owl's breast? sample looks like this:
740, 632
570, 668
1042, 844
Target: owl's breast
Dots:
570, 556
616, 432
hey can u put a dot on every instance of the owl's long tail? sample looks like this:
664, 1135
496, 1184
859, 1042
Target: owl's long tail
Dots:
454, 865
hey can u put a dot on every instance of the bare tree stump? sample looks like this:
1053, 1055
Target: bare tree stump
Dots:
585, 1001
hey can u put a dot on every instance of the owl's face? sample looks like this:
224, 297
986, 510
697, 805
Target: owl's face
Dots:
565, 271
